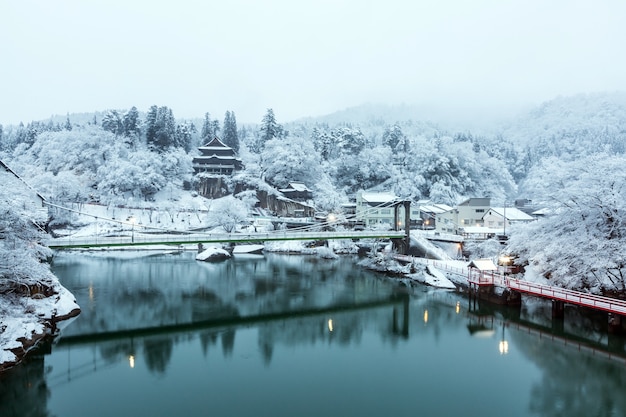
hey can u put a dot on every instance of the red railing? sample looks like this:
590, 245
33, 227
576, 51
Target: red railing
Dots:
597, 302
611, 305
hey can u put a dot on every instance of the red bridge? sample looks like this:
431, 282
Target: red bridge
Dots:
483, 278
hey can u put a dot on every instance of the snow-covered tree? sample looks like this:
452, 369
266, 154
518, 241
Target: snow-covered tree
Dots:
229, 135
581, 243
208, 129
22, 267
228, 212
270, 129
160, 128
286, 160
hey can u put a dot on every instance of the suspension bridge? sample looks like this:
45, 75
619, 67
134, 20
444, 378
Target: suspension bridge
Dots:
140, 235
195, 238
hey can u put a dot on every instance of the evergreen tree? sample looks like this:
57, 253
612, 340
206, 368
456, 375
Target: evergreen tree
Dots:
270, 129
112, 122
230, 136
151, 124
215, 128
130, 122
68, 125
160, 128
207, 133
184, 135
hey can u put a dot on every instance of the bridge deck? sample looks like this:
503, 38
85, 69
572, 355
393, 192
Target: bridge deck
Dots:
137, 239
596, 302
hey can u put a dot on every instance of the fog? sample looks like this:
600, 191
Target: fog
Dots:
306, 58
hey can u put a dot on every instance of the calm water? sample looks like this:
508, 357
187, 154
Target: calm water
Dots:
164, 335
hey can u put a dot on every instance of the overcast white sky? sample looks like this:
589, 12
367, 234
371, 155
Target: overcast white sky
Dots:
302, 57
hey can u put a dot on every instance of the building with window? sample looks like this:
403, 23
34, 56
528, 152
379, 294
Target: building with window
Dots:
465, 216
217, 159
375, 209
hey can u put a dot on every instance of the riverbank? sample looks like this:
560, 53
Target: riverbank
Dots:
27, 321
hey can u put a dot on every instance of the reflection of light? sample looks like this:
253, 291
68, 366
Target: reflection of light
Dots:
503, 346
458, 307
425, 316
331, 218
91, 292
131, 361
330, 325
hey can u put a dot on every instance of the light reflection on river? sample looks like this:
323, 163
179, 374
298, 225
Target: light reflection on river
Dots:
296, 336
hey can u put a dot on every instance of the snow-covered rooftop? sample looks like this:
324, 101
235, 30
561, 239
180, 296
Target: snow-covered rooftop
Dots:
511, 213
483, 265
378, 197
298, 186
435, 208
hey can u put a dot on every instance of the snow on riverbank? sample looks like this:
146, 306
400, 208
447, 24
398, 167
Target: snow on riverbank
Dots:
26, 320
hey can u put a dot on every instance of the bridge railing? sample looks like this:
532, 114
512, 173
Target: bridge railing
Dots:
574, 297
137, 238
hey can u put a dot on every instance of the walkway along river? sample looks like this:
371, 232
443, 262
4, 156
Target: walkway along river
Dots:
295, 335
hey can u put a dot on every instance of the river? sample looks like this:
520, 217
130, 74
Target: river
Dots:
279, 335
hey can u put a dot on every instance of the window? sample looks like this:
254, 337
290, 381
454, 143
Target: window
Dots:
467, 222
385, 211
480, 210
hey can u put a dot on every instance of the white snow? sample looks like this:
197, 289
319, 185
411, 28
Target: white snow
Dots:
24, 318
244, 249
213, 253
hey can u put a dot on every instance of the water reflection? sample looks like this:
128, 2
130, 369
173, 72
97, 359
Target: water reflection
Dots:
250, 335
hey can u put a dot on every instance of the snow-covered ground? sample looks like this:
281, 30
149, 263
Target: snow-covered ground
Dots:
26, 320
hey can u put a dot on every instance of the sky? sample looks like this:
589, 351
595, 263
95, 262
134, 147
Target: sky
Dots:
305, 57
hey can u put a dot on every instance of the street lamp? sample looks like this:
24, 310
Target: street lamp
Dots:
505, 260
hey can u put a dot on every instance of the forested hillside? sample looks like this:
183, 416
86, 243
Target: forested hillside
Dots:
120, 154
566, 154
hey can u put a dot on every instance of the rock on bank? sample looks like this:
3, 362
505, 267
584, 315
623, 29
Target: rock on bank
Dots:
25, 321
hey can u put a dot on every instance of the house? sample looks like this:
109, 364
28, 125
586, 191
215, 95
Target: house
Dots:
466, 215
375, 208
297, 191
428, 212
503, 217
216, 158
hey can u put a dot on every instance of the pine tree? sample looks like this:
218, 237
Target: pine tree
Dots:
215, 126
151, 124
112, 122
68, 125
230, 136
269, 130
130, 122
207, 133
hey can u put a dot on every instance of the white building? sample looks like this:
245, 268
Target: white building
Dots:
476, 219
375, 209
468, 214
502, 218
